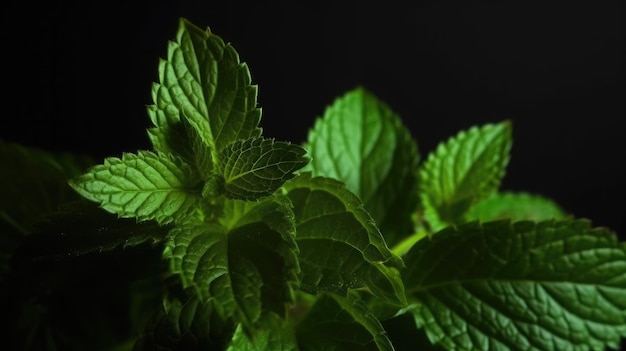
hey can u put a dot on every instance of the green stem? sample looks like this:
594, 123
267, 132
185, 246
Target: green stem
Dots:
403, 247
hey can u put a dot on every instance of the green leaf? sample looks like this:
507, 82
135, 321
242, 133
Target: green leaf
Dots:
340, 246
515, 206
276, 335
145, 185
256, 167
341, 323
204, 82
462, 171
552, 285
247, 264
363, 143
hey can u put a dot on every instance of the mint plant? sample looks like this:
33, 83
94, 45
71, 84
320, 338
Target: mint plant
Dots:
221, 238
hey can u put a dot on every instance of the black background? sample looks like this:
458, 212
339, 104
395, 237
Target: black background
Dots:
77, 77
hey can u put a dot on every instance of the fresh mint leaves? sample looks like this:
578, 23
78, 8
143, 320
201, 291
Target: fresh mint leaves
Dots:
270, 245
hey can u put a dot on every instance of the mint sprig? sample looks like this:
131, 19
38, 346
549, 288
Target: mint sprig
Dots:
270, 245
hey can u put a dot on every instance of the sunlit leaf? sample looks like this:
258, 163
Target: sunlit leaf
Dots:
462, 171
362, 142
145, 185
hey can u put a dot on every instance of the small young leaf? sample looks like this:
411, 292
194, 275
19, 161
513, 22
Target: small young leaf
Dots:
340, 246
204, 82
363, 143
462, 171
341, 323
515, 206
256, 167
145, 185
246, 265
552, 285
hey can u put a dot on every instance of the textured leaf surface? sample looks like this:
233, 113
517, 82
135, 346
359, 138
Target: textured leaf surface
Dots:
515, 206
340, 246
363, 143
204, 82
145, 185
246, 265
462, 171
554, 285
341, 323
254, 168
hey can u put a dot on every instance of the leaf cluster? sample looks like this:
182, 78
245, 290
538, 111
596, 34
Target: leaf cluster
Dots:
219, 238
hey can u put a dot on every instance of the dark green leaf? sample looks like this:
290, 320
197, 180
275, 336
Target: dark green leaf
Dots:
341, 323
553, 285
186, 323
33, 182
276, 335
340, 246
246, 265
81, 228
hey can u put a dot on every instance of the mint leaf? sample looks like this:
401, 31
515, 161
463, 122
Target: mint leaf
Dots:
340, 246
515, 206
245, 265
553, 285
276, 335
363, 143
204, 82
256, 167
462, 171
145, 185
341, 323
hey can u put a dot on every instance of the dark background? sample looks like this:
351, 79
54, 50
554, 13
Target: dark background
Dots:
77, 77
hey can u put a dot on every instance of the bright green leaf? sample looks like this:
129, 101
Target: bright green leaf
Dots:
145, 185
552, 285
462, 171
363, 143
515, 206
204, 82
340, 246
341, 323
246, 265
256, 167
